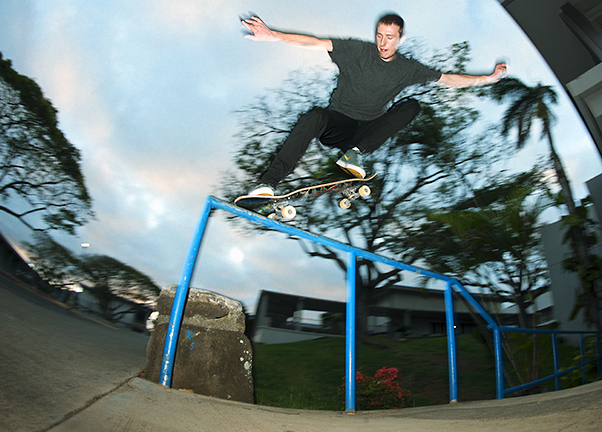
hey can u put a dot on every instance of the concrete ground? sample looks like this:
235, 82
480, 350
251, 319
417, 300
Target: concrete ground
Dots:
64, 371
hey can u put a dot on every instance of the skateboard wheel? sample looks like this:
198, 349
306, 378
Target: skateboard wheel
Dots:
272, 216
289, 212
364, 191
345, 203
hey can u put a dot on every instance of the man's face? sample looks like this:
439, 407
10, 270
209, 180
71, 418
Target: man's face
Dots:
387, 40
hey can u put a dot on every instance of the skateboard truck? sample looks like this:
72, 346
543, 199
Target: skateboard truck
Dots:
287, 212
351, 195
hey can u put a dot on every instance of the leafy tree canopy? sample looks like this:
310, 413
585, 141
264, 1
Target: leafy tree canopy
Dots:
496, 246
39, 168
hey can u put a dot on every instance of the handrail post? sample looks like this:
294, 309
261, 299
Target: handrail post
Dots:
451, 344
556, 354
177, 309
598, 356
499, 362
350, 333
583, 359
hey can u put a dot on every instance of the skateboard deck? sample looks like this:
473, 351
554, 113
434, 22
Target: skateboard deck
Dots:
279, 206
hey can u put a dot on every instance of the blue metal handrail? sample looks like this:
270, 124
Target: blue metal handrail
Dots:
353, 254
501, 392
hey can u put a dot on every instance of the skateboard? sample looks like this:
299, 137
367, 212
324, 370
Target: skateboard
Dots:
280, 205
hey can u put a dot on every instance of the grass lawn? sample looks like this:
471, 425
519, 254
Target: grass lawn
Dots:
309, 375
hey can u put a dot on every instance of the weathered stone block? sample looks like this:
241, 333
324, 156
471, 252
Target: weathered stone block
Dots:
213, 356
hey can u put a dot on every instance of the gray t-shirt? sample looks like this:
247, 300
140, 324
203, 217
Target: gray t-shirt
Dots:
366, 83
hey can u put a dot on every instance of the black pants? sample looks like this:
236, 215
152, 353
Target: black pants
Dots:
334, 129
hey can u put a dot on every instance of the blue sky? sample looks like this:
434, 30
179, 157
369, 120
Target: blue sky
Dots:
147, 90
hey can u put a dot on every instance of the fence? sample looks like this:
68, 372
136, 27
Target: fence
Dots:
353, 254
558, 373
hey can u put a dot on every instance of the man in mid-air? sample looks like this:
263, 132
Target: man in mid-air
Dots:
357, 120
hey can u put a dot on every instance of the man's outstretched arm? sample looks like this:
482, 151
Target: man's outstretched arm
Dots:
262, 32
458, 81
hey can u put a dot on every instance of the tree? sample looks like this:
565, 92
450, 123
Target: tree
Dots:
495, 246
492, 242
433, 163
109, 280
113, 280
528, 105
39, 168
52, 261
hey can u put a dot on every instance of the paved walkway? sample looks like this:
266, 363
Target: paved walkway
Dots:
64, 372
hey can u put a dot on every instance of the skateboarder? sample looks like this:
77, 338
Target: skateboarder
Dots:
370, 76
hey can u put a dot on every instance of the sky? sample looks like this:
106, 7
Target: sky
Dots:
148, 90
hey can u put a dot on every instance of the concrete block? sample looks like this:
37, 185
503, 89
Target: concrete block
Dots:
213, 356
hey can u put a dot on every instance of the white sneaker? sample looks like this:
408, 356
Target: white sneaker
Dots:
262, 190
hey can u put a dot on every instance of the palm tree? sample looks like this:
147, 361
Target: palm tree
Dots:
529, 104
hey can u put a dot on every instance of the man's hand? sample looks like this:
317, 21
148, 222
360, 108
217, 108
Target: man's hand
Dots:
261, 32
500, 71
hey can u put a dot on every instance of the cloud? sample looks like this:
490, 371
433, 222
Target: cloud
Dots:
191, 17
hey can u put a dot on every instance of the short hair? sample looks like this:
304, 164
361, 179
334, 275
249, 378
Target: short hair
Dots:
389, 19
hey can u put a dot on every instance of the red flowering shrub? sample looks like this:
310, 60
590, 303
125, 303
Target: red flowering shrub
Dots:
383, 391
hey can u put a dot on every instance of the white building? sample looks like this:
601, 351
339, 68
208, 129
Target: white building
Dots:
130, 314
565, 284
397, 311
